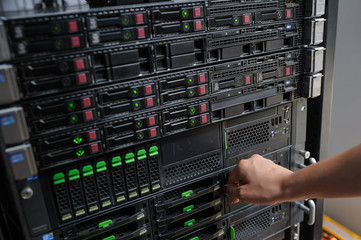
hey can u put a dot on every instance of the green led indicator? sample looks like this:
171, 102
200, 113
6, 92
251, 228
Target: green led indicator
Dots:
140, 135
135, 92
190, 80
127, 35
80, 152
58, 44
125, 21
139, 124
184, 13
236, 19
57, 28
192, 122
186, 26
77, 140
191, 92
71, 105
136, 104
283, 213
279, 15
74, 118
284, 128
192, 110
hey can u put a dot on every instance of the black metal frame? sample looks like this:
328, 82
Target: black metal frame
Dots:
319, 115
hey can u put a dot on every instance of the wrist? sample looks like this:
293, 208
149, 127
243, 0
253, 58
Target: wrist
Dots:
287, 188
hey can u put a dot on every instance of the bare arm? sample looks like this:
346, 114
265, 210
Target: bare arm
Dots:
260, 181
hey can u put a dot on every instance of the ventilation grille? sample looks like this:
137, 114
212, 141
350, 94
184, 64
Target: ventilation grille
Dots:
153, 169
299, 10
76, 193
191, 169
240, 8
298, 91
103, 185
240, 139
142, 169
118, 183
62, 197
90, 189
282, 3
252, 226
219, 2
244, 39
131, 175
244, 70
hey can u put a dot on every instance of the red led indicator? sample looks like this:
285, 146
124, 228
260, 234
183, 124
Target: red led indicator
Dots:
203, 108
141, 32
247, 80
82, 78
94, 148
197, 12
88, 115
288, 13
73, 26
79, 64
198, 25
246, 19
288, 71
151, 121
148, 89
139, 18
75, 41
202, 78
92, 135
202, 90
149, 102
152, 132
86, 102
204, 119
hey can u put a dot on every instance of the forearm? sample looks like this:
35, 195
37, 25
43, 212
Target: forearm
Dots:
338, 176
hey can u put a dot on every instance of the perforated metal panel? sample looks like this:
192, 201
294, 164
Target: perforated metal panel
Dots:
193, 168
252, 226
243, 138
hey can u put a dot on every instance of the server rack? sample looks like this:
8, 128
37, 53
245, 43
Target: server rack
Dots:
122, 122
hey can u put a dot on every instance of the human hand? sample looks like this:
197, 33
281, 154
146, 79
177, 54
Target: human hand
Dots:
257, 180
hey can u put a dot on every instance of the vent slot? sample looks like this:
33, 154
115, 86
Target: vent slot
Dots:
240, 8
240, 139
252, 226
192, 169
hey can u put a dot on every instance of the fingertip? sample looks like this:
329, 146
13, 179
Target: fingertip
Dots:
234, 200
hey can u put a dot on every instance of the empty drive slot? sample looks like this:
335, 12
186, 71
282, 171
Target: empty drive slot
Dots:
124, 57
181, 48
232, 52
183, 60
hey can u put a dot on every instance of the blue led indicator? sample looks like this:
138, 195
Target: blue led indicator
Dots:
273, 218
7, 120
288, 82
17, 157
2, 78
288, 26
48, 236
34, 177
